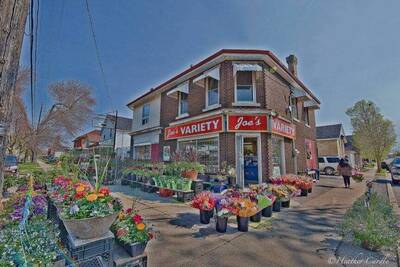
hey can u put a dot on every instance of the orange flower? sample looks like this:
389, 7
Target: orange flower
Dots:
91, 197
140, 226
80, 188
121, 216
100, 195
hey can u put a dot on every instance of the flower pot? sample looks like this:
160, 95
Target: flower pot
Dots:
277, 205
267, 212
256, 217
243, 223
310, 190
221, 225
205, 216
89, 227
304, 192
134, 249
192, 175
286, 203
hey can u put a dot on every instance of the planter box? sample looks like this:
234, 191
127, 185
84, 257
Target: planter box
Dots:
135, 249
123, 259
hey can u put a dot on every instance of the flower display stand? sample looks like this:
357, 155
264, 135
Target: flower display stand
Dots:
122, 259
82, 250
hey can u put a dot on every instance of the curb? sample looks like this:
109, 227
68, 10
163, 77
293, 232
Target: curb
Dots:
392, 197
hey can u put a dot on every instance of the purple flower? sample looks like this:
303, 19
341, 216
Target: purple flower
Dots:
74, 209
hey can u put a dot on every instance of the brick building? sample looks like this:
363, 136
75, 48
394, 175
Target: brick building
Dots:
243, 107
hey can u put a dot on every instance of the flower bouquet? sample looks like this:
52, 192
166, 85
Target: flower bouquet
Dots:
205, 203
281, 193
223, 208
358, 177
243, 208
132, 232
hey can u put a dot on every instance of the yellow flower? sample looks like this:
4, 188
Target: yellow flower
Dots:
100, 194
91, 197
140, 226
121, 216
80, 188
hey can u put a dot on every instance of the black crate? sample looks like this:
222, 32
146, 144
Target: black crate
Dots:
197, 186
85, 249
184, 196
123, 259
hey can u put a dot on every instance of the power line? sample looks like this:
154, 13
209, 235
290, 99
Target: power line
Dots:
98, 51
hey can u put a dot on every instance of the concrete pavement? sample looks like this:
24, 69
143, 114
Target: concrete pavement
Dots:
303, 235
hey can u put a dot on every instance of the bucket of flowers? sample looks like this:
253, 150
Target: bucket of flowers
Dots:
131, 232
267, 211
243, 208
358, 177
223, 208
281, 193
205, 203
292, 191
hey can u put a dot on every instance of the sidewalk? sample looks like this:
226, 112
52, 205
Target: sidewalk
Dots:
303, 235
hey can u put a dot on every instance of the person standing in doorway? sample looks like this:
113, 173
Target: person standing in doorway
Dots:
345, 169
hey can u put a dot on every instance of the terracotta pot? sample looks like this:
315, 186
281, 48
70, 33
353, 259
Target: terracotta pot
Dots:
192, 175
89, 227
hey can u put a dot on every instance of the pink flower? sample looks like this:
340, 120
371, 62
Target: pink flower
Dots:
137, 219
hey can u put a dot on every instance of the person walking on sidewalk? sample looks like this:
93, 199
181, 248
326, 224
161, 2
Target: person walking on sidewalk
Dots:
345, 169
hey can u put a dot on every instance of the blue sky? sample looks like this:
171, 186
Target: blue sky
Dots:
347, 50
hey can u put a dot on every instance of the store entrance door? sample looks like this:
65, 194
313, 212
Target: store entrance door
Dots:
248, 159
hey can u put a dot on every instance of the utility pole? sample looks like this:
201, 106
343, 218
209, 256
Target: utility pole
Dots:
13, 15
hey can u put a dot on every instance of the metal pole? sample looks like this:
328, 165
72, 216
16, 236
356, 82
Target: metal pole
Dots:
114, 144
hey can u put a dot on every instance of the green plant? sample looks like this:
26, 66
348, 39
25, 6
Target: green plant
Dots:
373, 225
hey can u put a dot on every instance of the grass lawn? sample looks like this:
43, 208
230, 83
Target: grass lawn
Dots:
29, 167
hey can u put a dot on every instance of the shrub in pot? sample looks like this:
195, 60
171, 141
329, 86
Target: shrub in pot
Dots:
131, 232
205, 203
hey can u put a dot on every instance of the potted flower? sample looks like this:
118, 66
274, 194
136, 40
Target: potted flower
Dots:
205, 203
292, 191
280, 193
262, 202
131, 232
243, 208
191, 169
223, 213
267, 211
358, 177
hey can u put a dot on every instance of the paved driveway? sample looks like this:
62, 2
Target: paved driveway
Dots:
303, 235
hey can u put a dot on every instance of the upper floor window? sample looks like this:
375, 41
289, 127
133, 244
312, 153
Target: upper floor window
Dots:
183, 103
212, 97
293, 107
244, 87
145, 113
306, 115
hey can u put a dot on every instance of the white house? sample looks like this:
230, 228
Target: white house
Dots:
122, 137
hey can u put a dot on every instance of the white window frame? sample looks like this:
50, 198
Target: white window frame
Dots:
148, 117
138, 145
293, 101
217, 105
246, 103
180, 114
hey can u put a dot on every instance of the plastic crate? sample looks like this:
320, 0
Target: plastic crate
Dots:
82, 250
95, 262
197, 186
184, 196
123, 259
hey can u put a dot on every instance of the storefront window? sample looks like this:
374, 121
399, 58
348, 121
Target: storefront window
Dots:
278, 157
142, 152
207, 152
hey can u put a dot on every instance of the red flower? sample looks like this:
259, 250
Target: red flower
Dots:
79, 195
65, 196
150, 235
137, 219
104, 191
121, 232
128, 210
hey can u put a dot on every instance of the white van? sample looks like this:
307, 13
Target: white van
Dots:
328, 165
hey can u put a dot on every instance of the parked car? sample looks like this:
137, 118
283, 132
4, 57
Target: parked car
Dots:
328, 165
11, 163
395, 170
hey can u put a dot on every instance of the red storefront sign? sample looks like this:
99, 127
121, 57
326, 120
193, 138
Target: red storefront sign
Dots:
284, 128
247, 123
198, 127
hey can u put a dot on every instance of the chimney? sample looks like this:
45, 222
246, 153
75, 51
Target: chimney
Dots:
292, 64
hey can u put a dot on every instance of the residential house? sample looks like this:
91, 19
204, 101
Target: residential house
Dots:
87, 140
331, 140
352, 152
122, 138
243, 107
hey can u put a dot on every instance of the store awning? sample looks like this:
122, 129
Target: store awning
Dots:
312, 104
246, 67
299, 93
213, 73
184, 88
